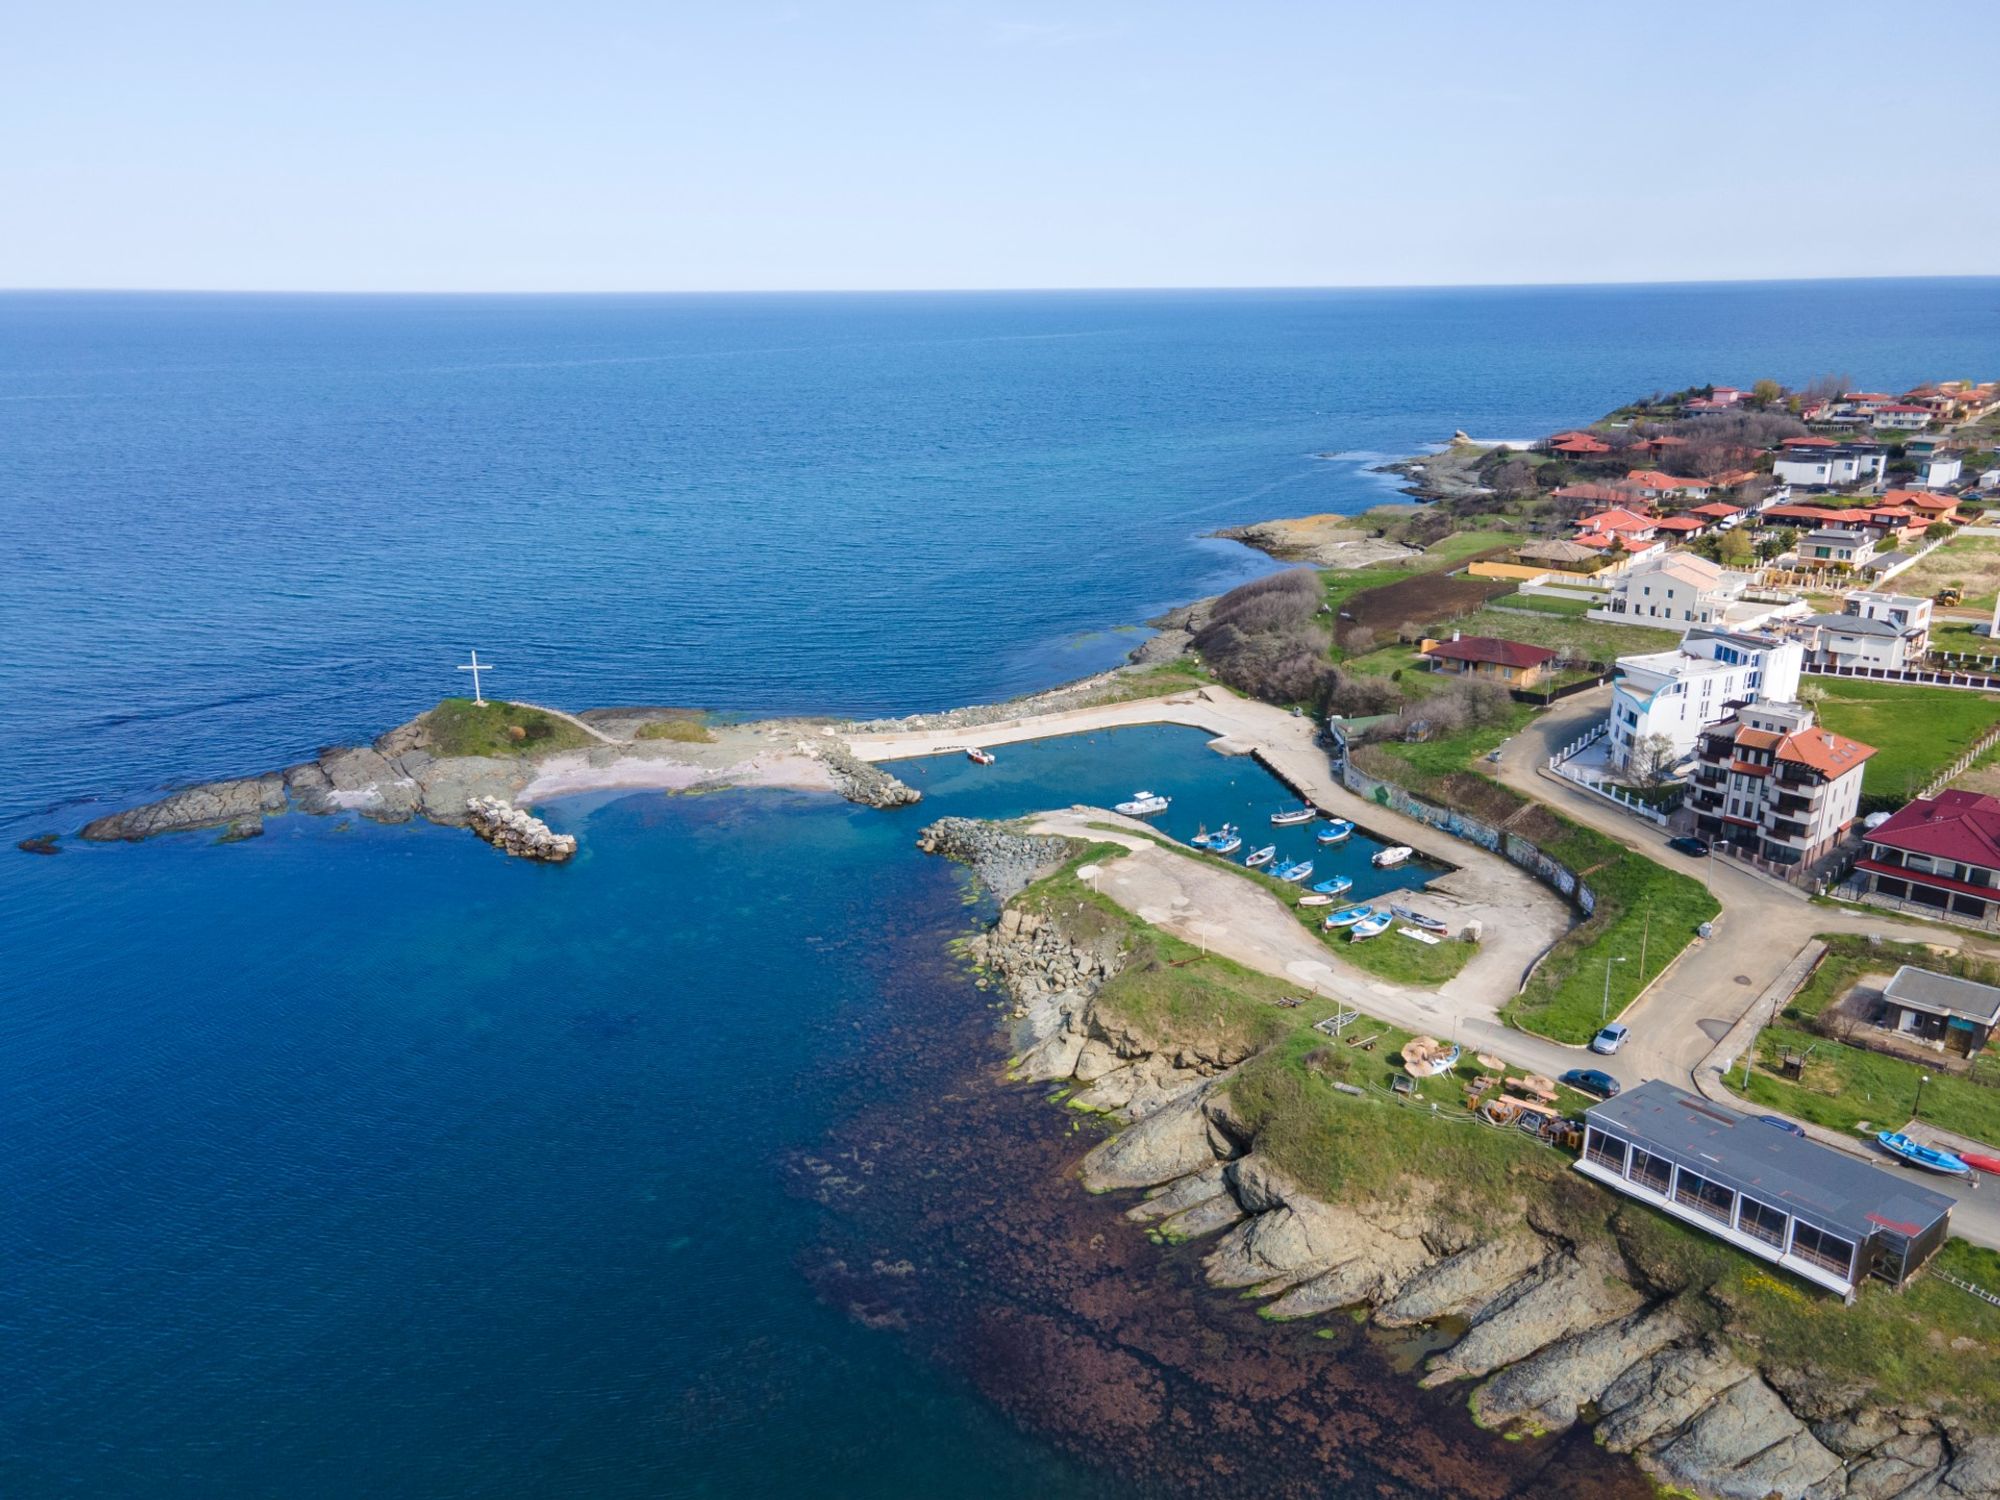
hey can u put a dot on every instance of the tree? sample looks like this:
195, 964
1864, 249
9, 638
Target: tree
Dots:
1653, 760
1764, 392
1734, 550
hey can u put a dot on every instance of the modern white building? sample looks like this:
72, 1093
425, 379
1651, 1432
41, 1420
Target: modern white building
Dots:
1771, 780
1828, 468
1836, 546
1887, 632
1683, 591
1703, 681
1939, 470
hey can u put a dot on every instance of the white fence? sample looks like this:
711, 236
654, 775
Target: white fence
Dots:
1972, 682
1562, 764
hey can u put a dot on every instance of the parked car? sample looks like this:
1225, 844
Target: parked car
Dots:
1779, 1122
1610, 1039
1689, 844
1590, 1081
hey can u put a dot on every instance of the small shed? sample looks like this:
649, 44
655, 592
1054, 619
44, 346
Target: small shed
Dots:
1954, 1015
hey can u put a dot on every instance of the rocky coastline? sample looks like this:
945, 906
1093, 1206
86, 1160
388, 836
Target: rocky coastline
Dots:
514, 831
1548, 1325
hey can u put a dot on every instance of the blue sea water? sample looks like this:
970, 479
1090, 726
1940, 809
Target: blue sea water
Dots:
358, 1160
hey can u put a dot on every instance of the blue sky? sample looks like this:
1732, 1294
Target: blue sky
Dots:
592, 146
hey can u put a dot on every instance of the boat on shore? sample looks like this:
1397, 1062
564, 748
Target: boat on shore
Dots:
1316, 900
1335, 885
1373, 925
978, 756
1338, 831
1917, 1154
1395, 854
1143, 805
1261, 857
1420, 919
1291, 817
1347, 916
1298, 869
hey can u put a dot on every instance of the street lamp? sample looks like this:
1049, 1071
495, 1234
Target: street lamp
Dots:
1918, 1108
1604, 1011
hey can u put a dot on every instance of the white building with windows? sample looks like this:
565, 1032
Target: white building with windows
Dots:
1829, 468
1703, 681
1890, 632
1683, 591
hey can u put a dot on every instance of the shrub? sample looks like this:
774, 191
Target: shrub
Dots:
1267, 639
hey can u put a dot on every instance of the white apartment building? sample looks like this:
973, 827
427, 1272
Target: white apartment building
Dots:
1827, 468
1703, 681
1885, 631
1683, 591
1939, 470
1769, 779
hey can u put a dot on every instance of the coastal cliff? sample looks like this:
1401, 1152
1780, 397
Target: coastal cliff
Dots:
1554, 1302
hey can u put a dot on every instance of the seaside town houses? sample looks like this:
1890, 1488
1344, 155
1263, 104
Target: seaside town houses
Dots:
1677, 694
1883, 632
1818, 468
1769, 779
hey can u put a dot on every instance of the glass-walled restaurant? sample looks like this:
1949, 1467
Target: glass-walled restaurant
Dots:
1820, 1214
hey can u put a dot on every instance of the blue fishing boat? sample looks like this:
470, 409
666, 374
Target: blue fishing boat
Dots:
1222, 841
1917, 1154
1262, 856
1347, 916
1370, 926
1335, 832
1297, 870
1335, 885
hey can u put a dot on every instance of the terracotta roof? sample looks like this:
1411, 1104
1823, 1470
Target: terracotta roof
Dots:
1920, 499
1678, 523
1617, 520
1655, 479
1734, 477
1962, 826
1829, 753
1666, 440
1597, 541
1579, 445
1487, 648
1601, 494
1717, 509
1809, 442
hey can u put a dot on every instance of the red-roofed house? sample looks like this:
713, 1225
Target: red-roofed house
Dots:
1809, 442
1680, 526
1735, 478
1716, 510
1578, 445
1620, 523
1610, 495
1941, 852
1512, 662
1720, 399
1652, 481
1771, 780
1924, 503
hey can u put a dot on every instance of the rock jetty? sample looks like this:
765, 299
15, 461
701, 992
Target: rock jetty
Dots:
1007, 862
1558, 1315
856, 779
516, 832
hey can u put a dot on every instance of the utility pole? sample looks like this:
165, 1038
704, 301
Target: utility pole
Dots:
1645, 931
1604, 1011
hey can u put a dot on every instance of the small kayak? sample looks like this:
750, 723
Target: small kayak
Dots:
1980, 1163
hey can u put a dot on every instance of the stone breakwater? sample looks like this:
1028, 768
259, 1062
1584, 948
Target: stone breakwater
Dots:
858, 780
516, 832
1005, 861
1558, 1319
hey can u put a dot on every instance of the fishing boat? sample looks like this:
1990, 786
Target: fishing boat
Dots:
1395, 854
1291, 817
1917, 1154
1143, 805
1419, 919
1335, 885
1335, 832
1262, 856
1371, 926
978, 756
1299, 869
1347, 916
1315, 900
1215, 842
1228, 846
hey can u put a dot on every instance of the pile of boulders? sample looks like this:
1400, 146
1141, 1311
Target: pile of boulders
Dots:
507, 828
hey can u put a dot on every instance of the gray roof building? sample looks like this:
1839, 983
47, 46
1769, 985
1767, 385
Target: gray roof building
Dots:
1819, 1213
1943, 995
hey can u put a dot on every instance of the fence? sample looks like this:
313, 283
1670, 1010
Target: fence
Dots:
1601, 786
1959, 767
1551, 872
1976, 682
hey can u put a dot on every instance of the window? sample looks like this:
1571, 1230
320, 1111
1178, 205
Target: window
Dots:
1763, 1222
1650, 1171
1606, 1150
1704, 1197
1829, 1251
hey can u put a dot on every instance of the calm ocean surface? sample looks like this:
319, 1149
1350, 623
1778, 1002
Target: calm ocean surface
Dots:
361, 1161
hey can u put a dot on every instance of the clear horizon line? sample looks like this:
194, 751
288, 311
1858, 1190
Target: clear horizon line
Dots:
923, 291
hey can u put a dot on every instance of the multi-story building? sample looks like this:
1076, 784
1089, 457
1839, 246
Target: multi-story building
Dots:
1827, 468
1941, 852
1888, 632
1836, 546
1703, 681
1770, 779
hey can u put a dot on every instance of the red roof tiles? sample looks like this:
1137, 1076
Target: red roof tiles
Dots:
1961, 826
1488, 648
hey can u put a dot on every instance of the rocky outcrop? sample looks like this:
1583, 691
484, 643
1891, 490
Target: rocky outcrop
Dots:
211, 805
856, 779
1005, 861
513, 831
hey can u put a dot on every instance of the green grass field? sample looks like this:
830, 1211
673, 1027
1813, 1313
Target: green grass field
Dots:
458, 726
1971, 563
1916, 731
1595, 639
1851, 1088
1544, 604
1962, 637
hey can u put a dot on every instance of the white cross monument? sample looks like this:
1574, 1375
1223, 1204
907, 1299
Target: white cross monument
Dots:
475, 667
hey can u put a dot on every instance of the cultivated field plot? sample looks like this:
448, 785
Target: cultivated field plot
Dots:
1971, 563
1420, 599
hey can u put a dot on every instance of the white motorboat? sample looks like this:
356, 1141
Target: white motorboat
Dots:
1385, 859
1143, 805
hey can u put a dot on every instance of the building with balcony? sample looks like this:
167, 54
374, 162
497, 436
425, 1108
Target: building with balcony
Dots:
1826, 468
1836, 547
1771, 781
1942, 852
1886, 632
1816, 1212
1703, 681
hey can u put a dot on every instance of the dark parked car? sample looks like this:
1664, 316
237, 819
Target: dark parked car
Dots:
1779, 1122
1688, 844
1590, 1081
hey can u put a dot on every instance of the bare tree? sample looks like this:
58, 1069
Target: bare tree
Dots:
1653, 760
